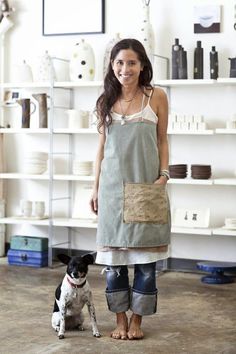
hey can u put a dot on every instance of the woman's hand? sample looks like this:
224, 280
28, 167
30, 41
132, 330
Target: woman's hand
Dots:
94, 202
161, 180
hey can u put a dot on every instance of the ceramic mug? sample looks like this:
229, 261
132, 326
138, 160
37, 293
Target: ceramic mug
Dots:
26, 207
39, 208
78, 119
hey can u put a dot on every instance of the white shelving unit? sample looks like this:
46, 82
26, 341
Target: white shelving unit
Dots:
52, 179
216, 187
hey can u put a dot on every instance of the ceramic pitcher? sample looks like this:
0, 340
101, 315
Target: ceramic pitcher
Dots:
43, 109
26, 111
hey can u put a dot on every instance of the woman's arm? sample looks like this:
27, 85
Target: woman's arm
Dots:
98, 161
161, 101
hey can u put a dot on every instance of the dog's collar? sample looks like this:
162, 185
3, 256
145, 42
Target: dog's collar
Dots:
76, 285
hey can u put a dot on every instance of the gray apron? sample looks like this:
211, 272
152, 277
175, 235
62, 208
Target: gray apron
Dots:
130, 156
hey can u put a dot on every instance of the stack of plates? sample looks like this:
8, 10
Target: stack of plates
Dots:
82, 168
178, 171
230, 223
35, 162
200, 171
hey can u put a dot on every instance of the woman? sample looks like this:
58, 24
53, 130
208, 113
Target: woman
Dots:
131, 166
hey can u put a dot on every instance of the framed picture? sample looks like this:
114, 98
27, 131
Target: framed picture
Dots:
207, 19
183, 217
73, 17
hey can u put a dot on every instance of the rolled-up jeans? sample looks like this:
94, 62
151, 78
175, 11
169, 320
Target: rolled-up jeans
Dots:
141, 299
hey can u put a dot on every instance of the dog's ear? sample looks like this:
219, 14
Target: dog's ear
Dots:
64, 258
88, 259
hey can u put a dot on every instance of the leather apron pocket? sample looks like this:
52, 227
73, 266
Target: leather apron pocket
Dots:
145, 202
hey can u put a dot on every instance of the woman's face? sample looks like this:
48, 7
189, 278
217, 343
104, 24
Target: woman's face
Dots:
127, 67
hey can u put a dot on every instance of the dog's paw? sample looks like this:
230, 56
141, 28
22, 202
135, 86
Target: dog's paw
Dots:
61, 336
97, 334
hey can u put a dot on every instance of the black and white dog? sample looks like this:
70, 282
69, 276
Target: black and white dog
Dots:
71, 296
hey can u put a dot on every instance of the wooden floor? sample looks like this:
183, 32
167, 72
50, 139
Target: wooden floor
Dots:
192, 318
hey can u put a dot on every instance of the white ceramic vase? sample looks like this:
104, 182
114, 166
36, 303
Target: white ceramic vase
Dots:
147, 33
23, 73
82, 63
45, 70
108, 50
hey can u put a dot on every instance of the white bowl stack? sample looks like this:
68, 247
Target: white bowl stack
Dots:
35, 162
82, 168
230, 223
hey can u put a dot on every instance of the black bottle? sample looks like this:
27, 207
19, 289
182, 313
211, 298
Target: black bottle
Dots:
183, 68
213, 63
175, 59
198, 61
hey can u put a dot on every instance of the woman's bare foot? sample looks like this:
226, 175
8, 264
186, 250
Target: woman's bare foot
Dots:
135, 331
122, 326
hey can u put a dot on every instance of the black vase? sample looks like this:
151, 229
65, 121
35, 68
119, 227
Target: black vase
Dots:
198, 61
214, 63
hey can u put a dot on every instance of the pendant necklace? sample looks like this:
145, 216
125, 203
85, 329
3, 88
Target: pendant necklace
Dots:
123, 114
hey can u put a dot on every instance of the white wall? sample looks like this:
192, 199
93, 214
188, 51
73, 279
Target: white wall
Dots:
171, 19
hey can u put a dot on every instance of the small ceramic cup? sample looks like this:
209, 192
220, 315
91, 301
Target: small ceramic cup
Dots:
26, 207
39, 208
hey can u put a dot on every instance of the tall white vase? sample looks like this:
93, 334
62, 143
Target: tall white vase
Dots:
147, 33
108, 50
82, 63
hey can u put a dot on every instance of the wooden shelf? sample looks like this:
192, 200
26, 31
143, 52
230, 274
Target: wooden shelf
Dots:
191, 231
71, 84
224, 232
24, 131
73, 178
10, 85
225, 131
225, 181
18, 221
190, 181
75, 131
70, 222
191, 132
193, 82
23, 176
188, 82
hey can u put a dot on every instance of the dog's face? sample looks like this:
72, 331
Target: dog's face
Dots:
77, 267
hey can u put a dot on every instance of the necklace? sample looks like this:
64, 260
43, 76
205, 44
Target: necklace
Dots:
130, 99
123, 114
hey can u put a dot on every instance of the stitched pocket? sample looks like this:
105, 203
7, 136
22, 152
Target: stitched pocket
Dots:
144, 202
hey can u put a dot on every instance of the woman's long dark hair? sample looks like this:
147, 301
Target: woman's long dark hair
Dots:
112, 87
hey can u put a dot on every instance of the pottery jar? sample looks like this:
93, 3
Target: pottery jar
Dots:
82, 62
23, 73
45, 70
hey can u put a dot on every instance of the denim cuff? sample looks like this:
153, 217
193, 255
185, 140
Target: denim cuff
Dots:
143, 304
118, 301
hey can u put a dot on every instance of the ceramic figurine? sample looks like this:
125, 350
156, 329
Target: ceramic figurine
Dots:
147, 34
82, 63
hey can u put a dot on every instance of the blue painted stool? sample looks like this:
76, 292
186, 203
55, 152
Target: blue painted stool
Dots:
217, 269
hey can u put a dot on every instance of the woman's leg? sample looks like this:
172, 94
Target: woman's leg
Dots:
144, 297
118, 298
